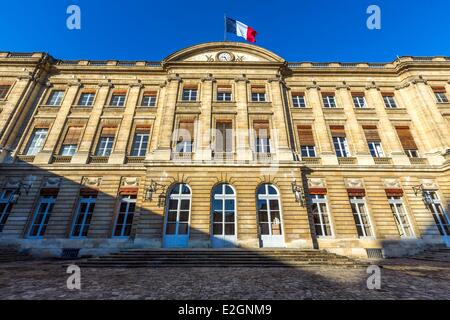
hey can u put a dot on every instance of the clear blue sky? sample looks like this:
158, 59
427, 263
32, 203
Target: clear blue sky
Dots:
297, 30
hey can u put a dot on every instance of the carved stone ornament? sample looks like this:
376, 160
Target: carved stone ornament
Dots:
91, 182
52, 182
392, 184
354, 183
129, 182
429, 184
13, 182
316, 183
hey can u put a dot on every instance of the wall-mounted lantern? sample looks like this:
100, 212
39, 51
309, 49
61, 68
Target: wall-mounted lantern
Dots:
153, 188
15, 194
425, 195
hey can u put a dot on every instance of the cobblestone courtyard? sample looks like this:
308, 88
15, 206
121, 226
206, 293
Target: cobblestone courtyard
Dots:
400, 279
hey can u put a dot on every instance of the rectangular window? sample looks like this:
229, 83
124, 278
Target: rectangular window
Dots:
106, 142
70, 143
185, 137
373, 141
86, 99
359, 101
149, 99
400, 216
329, 100
407, 141
319, 209
55, 98
140, 142
42, 216
340, 141
441, 217
83, 216
440, 94
5, 206
306, 140
359, 209
118, 98
262, 137
36, 141
224, 137
4, 89
258, 94
190, 93
124, 221
298, 100
224, 93
389, 101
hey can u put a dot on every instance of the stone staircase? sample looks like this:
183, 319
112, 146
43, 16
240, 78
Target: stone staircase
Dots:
219, 258
12, 254
438, 255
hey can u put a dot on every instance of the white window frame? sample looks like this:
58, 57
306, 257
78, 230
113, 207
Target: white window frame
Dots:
50, 202
103, 151
299, 101
189, 95
51, 101
395, 203
89, 101
68, 149
5, 199
316, 200
262, 145
224, 96
128, 200
309, 150
441, 97
329, 101
37, 141
358, 215
89, 201
412, 153
120, 102
259, 97
179, 197
360, 102
434, 202
389, 102
223, 196
140, 148
377, 149
342, 144
267, 197
151, 101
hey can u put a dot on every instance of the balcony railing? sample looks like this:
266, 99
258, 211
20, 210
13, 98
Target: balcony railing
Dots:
131, 159
263, 157
25, 158
182, 156
99, 159
382, 160
346, 161
62, 159
418, 161
311, 161
223, 156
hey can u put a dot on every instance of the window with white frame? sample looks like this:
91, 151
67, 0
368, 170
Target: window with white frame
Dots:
105, 145
83, 216
118, 100
308, 151
86, 99
42, 216
224, 93
441, 97
341, 147
441, 217
361, 216
359, 101
412, 153
178, 210
319, 209
224, 210
36, 141
298, 100
400, 216
185, 137
258, 94
376, 149
262, 137
329, 100
55, 98
5, 206
148, 99
189, 94
389, 101
4, 89
269, 210
140, 144
124, 220
68, 149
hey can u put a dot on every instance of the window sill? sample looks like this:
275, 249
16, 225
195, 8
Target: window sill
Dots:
82, 107
48, 106
25, 158
259, 104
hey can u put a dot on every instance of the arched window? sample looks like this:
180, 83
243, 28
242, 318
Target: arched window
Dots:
223, 210
178, 216
269, 215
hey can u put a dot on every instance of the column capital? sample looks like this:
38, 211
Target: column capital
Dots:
208, 77
174, 77
344, 86
403, 86
75, 83
243, 78
106, 83
313, 86
420, 79
372, 85
138, 84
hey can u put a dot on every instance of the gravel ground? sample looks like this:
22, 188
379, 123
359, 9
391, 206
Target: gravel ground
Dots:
400, 279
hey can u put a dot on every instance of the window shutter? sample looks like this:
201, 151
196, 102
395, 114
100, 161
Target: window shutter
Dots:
317, 191
262, 129
109, 131
406, 138
327, 94
183, 127
355, 192
224, 88
305, 135
371, 133
120, 92
86, 192
439, 89
357, 94
128, 191
89, 91
337, 131
224, 141
387, 94
143, 129
394, 192
298, 94
49, 192
258, 89
149, 93
190, 86
73, 135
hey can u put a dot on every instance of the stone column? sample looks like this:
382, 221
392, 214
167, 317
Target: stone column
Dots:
204, 151
243, 151
391, 143
123, 136
82, 154
158, 121
327, 153
284, 153
353, 128
54, 134
164, 148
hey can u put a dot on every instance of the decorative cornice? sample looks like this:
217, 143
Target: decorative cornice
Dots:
75, 83
208, 77
419, 80
28, 76
174, 77
241, 78
402, 86
106, 83
313, 86
344, 85
372, 85
138, 84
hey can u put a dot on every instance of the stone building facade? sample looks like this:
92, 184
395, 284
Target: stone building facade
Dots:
224, 145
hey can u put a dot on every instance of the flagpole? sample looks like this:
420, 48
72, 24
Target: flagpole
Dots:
225, 27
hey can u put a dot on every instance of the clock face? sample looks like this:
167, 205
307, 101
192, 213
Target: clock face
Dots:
224, 56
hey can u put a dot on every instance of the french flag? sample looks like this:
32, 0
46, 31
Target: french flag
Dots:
241, 30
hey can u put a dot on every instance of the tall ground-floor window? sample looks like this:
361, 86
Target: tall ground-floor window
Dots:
361, 216
440, 216
83, 216
125, 216
268, 206
42, 216
224, 210
5, 206
320, 214
401, 217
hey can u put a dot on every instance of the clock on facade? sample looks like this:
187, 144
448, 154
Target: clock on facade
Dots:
225, 56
